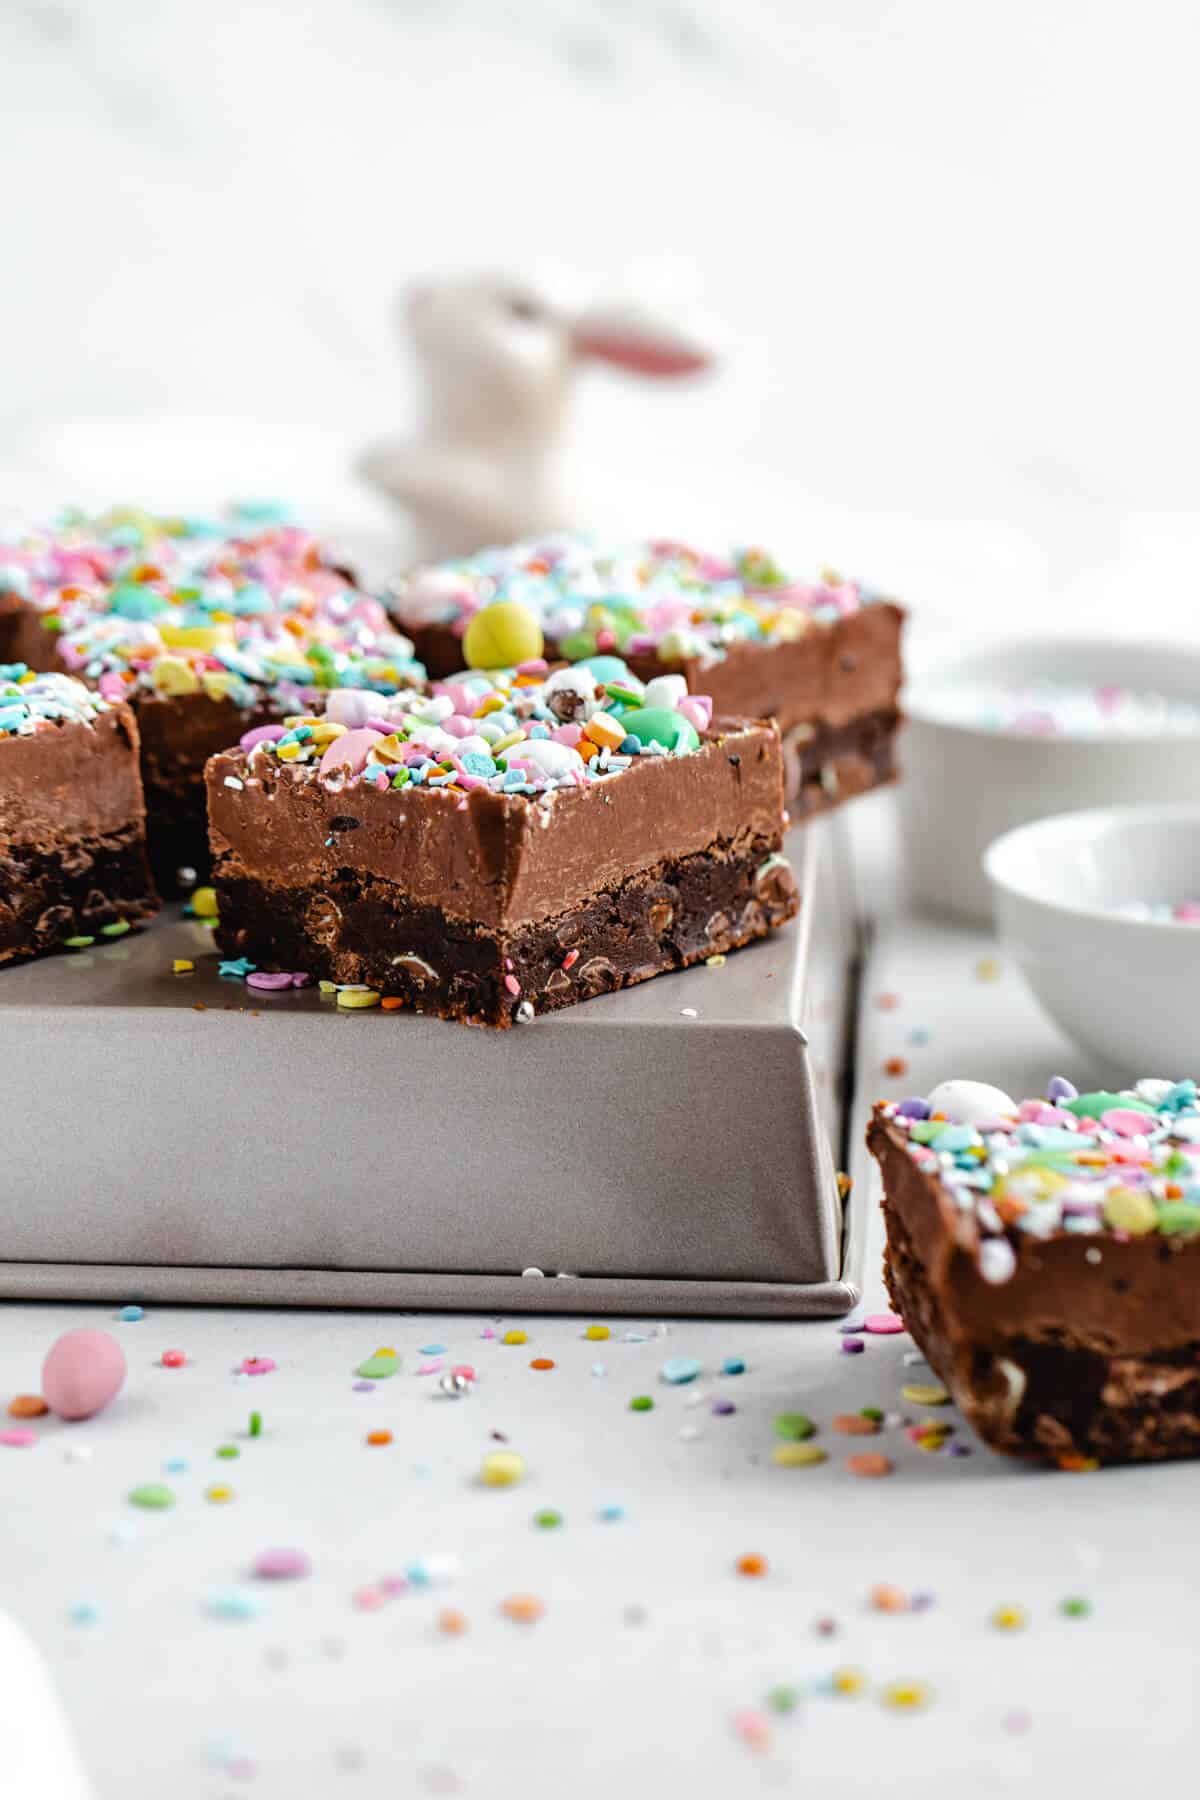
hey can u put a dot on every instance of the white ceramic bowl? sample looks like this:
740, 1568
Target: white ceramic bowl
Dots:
963, 785
1124, 988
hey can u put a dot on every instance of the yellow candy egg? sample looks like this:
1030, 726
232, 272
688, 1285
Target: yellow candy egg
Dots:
501, 636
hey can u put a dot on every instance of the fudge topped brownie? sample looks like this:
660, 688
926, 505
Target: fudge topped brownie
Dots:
1046, 1256
822, 656
72, 823
512, 843
205, 634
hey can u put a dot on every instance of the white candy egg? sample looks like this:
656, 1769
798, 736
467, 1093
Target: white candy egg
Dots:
665, 690
554, 759
971, 1102
351, 707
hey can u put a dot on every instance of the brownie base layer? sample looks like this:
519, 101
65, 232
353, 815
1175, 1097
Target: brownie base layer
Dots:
824, 765
47, 896
361, 929
1047, 1391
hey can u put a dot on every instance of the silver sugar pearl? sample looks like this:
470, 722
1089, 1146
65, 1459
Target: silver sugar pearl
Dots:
454, 1384
525, 1013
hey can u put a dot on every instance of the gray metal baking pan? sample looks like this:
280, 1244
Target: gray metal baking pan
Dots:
668, 1149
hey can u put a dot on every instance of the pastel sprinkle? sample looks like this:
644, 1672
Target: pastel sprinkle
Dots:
18, 1437
596, 1334
129, 1315
27, 1406
502, 1468
219, 1493
174, 1359
282, 1565
870, 1463
794, 1426
1075, 1607
232, 1603
678, 1370
256, 1424
797, 1456
515, 1337
152, 1496
522, 1609
1009, 1618
734, 1365
542, 1362
883, 1324
257, 1365
921, 1393
641, 1403
548, 1519
379, 1367
612, 1512
906, 1696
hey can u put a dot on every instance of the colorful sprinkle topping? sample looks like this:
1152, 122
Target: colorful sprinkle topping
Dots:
590, 598
29, 702
137, 603
522, 731
1123, 1163
1161, 912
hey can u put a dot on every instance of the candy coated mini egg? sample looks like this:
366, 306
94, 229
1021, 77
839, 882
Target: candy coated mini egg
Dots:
82, 1372
502, 635
971, 1102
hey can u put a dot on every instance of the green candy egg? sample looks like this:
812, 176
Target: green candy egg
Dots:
657, 724
1091, 1106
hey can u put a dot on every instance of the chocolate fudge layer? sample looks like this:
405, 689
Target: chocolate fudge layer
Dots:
72, 823
205, 632
492, 880
822, 658
1046, 1258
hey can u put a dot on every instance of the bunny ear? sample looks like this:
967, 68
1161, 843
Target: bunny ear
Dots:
637, 341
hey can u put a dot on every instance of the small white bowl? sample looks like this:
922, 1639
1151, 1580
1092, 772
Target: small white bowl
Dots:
963, 784
1126, 988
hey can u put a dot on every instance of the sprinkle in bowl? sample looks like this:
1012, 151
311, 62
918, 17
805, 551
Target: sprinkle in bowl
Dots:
1097, 908
1006, 732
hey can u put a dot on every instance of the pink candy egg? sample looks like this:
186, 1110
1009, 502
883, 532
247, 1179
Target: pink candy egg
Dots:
82, 1372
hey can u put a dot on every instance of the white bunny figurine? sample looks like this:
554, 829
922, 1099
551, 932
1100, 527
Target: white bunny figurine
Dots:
498, 357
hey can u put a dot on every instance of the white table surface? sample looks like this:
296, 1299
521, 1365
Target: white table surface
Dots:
651, 1644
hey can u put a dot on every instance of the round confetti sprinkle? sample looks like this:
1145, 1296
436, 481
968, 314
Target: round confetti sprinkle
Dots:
227, 1452
855, 1425
887, 1002
921, 1393
988, 969
370, 1599
783, 1699
848, 1682
174, 1359
515, 1337
612, 1512
129, 1315
906, 1696
379, 1367
870, 1463
1075, 1607
218, 1493
596, 1334
232, 1603
677, 1371
501, 1468
18, 1438
797, 1456
853, 1346
889, 1599
794, 1426
282, 1565
734, 1365
883, 1324
542, 1362
152, 1496
452, 1622
1009, 1618
895, 1066
753, 1727
751, 1564
257, 1365
379, 1437
641, 1403
27, 1406
523, 1609
547, 1519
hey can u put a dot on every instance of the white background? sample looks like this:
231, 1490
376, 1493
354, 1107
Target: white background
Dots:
952, 246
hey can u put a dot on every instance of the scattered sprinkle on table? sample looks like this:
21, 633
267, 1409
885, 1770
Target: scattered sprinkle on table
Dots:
523, 1609
232, 1603
870, 1463
547, 1519
848, 1682
855, 1425
501, 1468
886, 1597
542, 1362
379, 1437
219, 1493
152, 1496
734, 1365
380, 1366
751, 1564
181, 966
678, 1370
597, 1334
452, 1622
641, 1403
129, 1315
18, 1438
894, 1067
797, 1456
282, 1565
27, 1406
922, 1393
257, 1365
794, 1426
1075, 1607
227, 1451
1009, 1618
515, 1337
174, 1359
883, 1324
256, 1424
906, 1696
